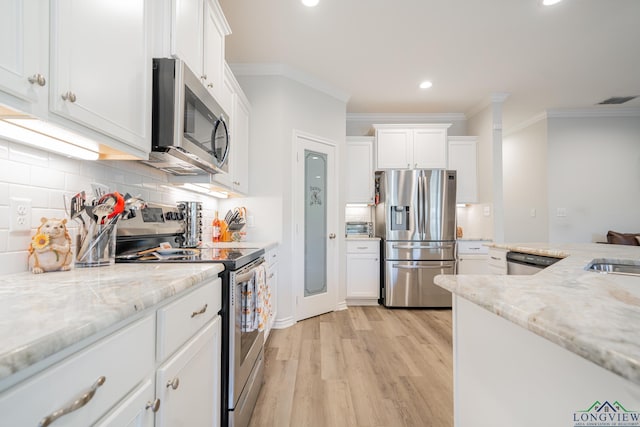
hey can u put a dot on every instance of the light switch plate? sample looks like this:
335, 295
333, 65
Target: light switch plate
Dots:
20, 217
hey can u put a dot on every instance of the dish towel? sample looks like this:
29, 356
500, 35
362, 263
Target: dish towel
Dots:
263, 301
248, 307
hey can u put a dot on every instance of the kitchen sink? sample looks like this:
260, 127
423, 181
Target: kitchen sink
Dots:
615, 266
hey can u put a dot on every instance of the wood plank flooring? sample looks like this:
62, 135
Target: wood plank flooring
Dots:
365, 366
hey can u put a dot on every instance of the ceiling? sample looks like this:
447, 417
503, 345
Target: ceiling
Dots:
570, 55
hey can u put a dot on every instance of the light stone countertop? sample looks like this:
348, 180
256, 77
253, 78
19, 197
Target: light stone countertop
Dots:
594, 315
42, 314
243, 244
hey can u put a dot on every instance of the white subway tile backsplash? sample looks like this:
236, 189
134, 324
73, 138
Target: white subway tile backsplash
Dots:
4, 193
46, 177
4, 149
39, 196
4, 215
29, 155
14, 262
19, 241
64, 164
13, 172
4, 240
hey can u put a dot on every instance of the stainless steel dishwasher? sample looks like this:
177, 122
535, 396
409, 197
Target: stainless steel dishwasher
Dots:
520, 263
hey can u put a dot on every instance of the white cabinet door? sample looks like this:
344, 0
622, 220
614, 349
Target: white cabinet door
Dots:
188, 384
394, 148
240, 160
23, 26
429, 149
360, 179
213, 55
137, 410
101, 78
463, 159
187, 33
363, 276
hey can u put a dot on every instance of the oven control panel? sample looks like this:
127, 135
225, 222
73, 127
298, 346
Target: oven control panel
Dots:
153, 220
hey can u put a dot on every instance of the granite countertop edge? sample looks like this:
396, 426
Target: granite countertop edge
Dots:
596, 316
43, 314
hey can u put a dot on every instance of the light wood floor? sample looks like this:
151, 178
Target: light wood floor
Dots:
365, 366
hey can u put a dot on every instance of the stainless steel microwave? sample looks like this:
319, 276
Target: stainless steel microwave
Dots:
189, 134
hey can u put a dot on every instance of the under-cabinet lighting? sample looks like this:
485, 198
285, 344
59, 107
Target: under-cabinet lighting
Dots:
461, 205
357, 205
203, 190
48, 137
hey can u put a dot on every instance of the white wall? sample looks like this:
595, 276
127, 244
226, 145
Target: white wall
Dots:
44, 178
594, 173
524, 156
278, 107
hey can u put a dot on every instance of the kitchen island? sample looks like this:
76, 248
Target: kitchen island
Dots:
551, 348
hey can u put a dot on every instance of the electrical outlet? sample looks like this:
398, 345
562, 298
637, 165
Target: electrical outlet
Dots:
20, 219
561, 212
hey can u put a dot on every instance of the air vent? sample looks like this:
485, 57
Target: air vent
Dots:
615, 100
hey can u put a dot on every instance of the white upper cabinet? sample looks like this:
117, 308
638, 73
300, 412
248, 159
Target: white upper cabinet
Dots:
236, 104
24, 69
463, 159
101, 67
359, 168
187, 33
415, 146
198, 31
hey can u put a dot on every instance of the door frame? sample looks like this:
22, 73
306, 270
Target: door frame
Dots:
297, 225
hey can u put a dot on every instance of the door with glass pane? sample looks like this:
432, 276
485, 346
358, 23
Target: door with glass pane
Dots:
316, 217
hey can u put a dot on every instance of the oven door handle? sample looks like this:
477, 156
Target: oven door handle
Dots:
247, 272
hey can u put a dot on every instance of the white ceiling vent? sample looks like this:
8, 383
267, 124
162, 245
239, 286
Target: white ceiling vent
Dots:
615, 100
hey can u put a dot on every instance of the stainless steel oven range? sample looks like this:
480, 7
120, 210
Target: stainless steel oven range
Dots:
242, 357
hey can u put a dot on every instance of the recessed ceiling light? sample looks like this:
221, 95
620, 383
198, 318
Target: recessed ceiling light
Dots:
310, 3
426, 85
550, 2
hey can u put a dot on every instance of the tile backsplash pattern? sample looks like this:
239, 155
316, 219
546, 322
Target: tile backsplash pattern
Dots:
45, 178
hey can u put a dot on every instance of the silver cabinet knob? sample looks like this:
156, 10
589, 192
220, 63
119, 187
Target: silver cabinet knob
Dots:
415, 165
174, 383
332, 235
210, 85
69, 96
203, 77
37, 78
154, 406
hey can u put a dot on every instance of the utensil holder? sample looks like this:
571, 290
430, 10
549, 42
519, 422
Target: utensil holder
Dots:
97, 247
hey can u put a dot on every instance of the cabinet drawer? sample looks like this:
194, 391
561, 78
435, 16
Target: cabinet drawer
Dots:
122, 359
180, 320
497, 261
473, 247
363, 247
271, 257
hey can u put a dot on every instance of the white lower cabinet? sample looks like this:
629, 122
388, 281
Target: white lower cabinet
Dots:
188, 384
497, 261
363, 272
137, 410
271, 258
99, 376
120, 381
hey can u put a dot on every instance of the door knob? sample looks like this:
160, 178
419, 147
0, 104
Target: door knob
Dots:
332, 235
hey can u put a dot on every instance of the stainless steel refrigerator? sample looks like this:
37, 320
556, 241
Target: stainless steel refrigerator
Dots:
416, 220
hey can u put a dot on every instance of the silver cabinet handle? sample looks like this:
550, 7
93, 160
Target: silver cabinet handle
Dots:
270, 276
154, 406
76, 404
210, 85
201, 311
332, 235
69, 96
37, 78
496, 258
203, 77
174, 383
415, 165
361, 247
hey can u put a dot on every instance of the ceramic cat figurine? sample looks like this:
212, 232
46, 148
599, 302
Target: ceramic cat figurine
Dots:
50, 248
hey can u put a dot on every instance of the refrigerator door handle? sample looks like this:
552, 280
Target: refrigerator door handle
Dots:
422, 247
421, 199
422, 267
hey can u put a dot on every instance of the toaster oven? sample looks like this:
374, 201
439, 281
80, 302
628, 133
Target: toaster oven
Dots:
359, 229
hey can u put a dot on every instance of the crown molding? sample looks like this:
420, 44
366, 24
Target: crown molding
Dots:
283, 70
494, 98
405, 117
600, 111
525, 124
